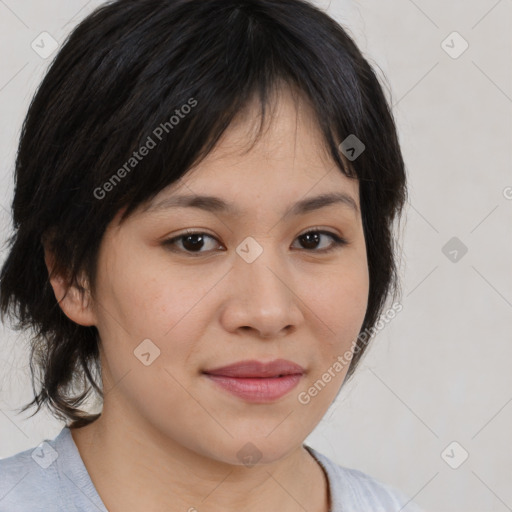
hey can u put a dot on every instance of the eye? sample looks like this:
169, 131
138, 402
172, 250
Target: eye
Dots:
193, 241
312, 238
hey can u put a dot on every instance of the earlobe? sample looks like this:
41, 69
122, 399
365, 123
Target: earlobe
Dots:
75, 303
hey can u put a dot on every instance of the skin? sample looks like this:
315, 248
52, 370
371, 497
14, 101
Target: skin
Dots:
168, 437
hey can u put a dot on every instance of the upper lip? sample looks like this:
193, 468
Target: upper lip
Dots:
254, 368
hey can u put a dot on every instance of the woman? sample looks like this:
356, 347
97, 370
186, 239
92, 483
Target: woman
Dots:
205, 195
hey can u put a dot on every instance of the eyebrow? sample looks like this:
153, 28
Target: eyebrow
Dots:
217, 205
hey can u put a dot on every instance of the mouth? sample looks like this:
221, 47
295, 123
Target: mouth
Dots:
256, 381
258, 369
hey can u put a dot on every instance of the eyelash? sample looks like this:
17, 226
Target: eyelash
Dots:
338, 242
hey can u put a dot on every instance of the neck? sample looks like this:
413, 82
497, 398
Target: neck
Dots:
134, 466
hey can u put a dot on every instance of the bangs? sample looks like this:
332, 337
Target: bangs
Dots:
178, 103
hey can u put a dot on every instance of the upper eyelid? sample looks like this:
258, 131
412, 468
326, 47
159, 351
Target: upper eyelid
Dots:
189, 232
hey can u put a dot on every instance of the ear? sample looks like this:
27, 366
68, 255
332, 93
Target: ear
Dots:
74, 302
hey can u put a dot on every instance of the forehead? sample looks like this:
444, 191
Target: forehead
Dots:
289, 171
290, 130
289, 160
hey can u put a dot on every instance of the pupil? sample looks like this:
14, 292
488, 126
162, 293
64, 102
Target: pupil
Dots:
309, 236
193, 245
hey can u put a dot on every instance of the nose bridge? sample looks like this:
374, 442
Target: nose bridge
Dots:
259, 261
265, 297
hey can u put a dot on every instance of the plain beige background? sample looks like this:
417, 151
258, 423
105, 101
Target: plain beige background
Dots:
439, 373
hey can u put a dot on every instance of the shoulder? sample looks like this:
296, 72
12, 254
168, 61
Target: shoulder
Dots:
29, 480
352, 490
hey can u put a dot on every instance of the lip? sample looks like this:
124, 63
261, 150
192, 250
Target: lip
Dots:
257, 381
258, 369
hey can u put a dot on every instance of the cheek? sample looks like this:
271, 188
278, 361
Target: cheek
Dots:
339, 300
147, 294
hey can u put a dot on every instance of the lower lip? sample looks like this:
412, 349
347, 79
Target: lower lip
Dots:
259, 390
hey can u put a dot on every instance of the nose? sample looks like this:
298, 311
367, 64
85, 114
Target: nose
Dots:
263, 297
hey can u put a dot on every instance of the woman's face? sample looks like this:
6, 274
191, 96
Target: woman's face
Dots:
252, 288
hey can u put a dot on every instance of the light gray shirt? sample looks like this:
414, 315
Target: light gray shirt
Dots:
53, 478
